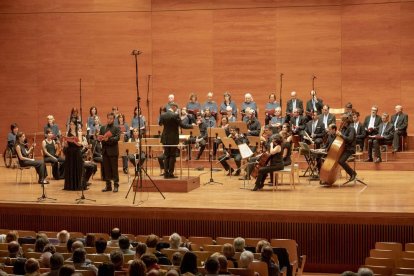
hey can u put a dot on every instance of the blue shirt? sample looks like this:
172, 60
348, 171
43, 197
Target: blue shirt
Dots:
91, 122
276, 120
223, 108
252, 105
212, 106
210, 121
194, 106
134, 122
271, 106
54, 128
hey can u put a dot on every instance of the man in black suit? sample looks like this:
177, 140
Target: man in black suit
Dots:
314, 104
110, 153
315, 130
372, 122
326, 117
348, 134
170, 137
400, 122
292, 104
384, 136
359, 131
297, 123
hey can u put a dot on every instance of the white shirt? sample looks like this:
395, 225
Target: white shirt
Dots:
396, 120
356, 126
371, 122
293, 104
325, 120
383, 128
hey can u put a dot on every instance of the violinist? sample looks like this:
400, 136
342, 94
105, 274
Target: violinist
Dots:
132, 156
275, 161
248, 103
270, 107
234, 153
217, 141
253, 125
348, 134
53, 127
24, 158
138, 121
228, 103
286, 145
208, 118
193, 106
211, 105
199, 141
50, 147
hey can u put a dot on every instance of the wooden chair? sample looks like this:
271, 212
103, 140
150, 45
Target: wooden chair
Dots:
4, 253
259, 267
409, 246
44, 270
35, 255
253, 241
407, 254
4, 246
131, 237
110, 249
224, 240
141, 238
26, 233
196, 247
66, 255
201, 240
8, 269
62, 249
213, 248
128, 257
298, 263
98, 258
407, 263
241, 271
403, 271
90, 250
380, 253
202, 256
379, 270
100, 235
77, 235
394, 246
27, 247
387, 262
86, 272
120, 273
49, 234
288, 170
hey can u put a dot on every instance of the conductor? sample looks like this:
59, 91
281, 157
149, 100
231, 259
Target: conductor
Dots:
170, 137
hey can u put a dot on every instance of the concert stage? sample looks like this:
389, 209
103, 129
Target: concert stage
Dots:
335, 227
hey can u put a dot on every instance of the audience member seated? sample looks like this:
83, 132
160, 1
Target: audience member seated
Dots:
11, 236
56, 262
49, 248
90, 240
137, 268
14, 249
18, 266
66, 270
266, 256
32, 267
176, 259
222, 263
229, 252
239, 243
172, 272
40, 244
125, 246
100, 246
79, 261
152, 241
115, 234
384, 136
364, 271
76, 245
246, 257
117, 259
212, 266
175, 242
151, 262
140, 250
44, 260
63, 237
260, 245
106, 269
189, 264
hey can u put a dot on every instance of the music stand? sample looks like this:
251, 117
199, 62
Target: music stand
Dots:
240, 125
155, 130
149, 143
217, 132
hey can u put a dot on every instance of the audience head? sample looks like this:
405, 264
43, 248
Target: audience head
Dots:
90, 240
248, 97
18, 266
193, 97
260, 245
115, 234
267, 253
374, 110
189, 263
12, 236
117, 258
14, 249
93, 111
31, 266
228, 250
45, 259
137, 268
150, 261
349, 273
239, 244
332, 129
246, 257
171, 98
14, 128
140, 249
69, 244
79, 256
293, 95
66, 270
385, 117
172, 272
325, 109
222, 262
152, 241
313, 93
49, 248
212, 265
77, 244
63, 236
363, 271
175, 241
40, 244
110, 118
100, 245
124, 243
355, 116
106, 269
210, 96
56, 261
278, 111
176, 258
296, 112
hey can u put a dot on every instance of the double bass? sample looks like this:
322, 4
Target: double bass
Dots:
330, 169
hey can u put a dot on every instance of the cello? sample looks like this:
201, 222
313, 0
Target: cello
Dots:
330, 168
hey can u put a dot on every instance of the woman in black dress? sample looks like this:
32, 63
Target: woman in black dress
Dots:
49, 147
73, 161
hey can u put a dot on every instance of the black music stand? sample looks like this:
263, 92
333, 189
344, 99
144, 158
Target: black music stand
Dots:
210, 159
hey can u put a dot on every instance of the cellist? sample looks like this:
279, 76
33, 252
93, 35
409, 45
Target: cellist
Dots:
348, 134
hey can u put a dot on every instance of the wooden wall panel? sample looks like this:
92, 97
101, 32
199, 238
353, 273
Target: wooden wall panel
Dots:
371, 56
309, 43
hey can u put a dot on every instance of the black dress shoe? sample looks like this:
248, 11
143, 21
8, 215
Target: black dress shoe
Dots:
115, 189
43, 181
255, 188
352, 178
125, 171
230, 172
173, 176
237, 173
107, 189
378, 160
368, 160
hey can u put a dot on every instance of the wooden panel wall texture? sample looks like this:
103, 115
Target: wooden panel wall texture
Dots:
360, 51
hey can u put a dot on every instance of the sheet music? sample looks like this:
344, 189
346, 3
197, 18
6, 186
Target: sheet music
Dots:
245, 151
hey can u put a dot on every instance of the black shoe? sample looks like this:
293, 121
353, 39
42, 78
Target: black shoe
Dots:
353, 176
108, 188
368, 160
167, 175
125, 171
115, 189
237, 173
257, 188
197, 158
230, 172
394, 150
378, 160
173, 176
43, 181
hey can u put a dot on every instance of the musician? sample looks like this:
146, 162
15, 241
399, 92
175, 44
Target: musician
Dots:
253, 125
217, 141
23, 156
372, 122
331, 135
187, 118
193, 106
248, 103
228, 103
326, 117
234, 153
211, 105
132, 156
11, 137
138, 121
348, 134
359, 131
171, 99
230, 116
123, 126
275, 162
53, 127
315, 129
384, 136
50, 155
208, 118
201, 140
292, 104
314, 104
93, 111
286, 145
97, 153
297, 122
89, 167
94, 128
115, 110
349, 109
110, 135
277, 120
73, 162
400, 122
170, 138
270, 107
74, 115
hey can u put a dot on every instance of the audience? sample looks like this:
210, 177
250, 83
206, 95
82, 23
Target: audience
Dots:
79, 261
246, 257
32, 267
18, 266
44, 259
175, 242
14, 249
212, 266
40, 244
229, 253
100, 246
50, 248
260, 245
66, 270
266, 256
176, 259
137, 268
115, 234
239, 243
152, 241
63, 237
150, 261
106, 269
189, 263
125, 246
363, 271
56, 262
222, 262
117, 259
11, 236
90, 240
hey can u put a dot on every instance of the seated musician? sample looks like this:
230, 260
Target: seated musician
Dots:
359, 131
372, 122
297, 123
138, 121
314, 104
97, 152
286, 145
230, 114
217, 140
270, 107
24, 158
326, 117
384, 136
208, 118
53, 127
349, 109
400, 122
11, 137
193, 106
234, 153
89, 167
275, 161
211, 105
132, 155
95, 127
253, 124
248, 103
199, 141
315, 130
171, 99
187, 118
228, 103
292, 104
50, 155
277, 120
348, 134
331, 135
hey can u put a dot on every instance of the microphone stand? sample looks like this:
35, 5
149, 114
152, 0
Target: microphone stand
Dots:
210, 157
44, 197
139, 169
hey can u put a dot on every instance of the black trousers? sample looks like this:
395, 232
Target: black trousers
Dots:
110, 165
192, 140
264, 171
90, 169
396, 139
374, 146
131, 158
169, 162
237, 159
38, 165
342, 161
58, 166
